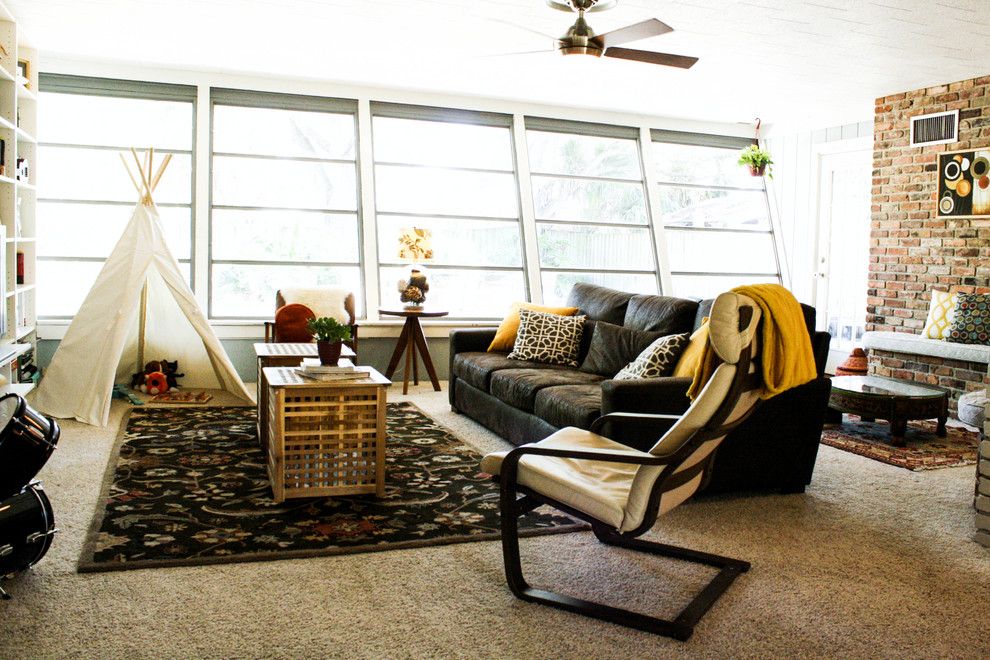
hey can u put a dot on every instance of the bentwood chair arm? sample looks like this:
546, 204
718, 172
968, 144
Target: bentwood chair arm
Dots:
661, 423
510, 464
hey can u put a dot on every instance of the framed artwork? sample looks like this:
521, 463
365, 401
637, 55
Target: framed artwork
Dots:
964, 184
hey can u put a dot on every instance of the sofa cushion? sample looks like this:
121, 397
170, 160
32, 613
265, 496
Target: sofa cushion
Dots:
505, 336
569, 405
548, 338
599, 303
519, 387
971, 322
476, 368
657, 360
613, 347
663, 314
941, 312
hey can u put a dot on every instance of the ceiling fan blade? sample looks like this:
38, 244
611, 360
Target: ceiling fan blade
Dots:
635, 32
665, 59
522, 27
542, 51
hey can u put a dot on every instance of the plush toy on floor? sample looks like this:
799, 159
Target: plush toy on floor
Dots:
157, 378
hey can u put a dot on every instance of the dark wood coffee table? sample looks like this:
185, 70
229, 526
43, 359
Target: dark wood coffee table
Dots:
896, 401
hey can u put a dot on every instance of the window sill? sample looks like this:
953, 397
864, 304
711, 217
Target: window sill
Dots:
255, 330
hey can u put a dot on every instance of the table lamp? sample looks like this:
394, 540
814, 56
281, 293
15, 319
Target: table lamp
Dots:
415, 247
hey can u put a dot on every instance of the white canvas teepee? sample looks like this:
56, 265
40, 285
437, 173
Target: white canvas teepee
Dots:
139, 309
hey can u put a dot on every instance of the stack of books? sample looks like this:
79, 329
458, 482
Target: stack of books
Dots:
343, 370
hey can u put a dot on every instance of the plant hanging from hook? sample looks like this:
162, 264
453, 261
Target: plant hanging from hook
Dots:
758, 160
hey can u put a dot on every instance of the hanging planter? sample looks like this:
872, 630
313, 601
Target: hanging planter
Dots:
757, 160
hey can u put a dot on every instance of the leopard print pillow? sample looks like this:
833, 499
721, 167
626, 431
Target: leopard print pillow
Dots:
548, 338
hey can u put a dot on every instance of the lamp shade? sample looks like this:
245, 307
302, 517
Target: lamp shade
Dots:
415, 245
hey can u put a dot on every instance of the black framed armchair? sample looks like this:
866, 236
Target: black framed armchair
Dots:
622, 491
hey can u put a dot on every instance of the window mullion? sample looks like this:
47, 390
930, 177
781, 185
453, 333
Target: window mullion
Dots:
368, 217
531, 250
653, 212
202, 198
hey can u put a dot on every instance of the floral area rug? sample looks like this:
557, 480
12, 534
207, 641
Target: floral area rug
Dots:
190, 487
924, 450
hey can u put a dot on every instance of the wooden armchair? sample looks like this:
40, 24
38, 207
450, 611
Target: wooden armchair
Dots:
620, 490
294, 307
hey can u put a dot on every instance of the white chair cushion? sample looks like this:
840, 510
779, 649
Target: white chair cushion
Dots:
597, 488
324, 301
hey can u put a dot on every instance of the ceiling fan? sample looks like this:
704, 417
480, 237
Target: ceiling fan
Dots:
580, 39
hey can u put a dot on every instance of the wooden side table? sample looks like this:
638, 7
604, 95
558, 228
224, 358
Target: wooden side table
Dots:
280, 355
326, 438
412, 340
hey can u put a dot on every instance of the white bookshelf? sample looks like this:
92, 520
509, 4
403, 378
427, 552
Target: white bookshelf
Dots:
18, 196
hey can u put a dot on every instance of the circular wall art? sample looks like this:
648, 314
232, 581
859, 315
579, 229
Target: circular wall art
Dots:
946, 205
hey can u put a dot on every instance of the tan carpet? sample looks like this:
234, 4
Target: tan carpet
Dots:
872, 561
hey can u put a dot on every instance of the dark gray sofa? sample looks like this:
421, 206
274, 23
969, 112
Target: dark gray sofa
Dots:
526, 401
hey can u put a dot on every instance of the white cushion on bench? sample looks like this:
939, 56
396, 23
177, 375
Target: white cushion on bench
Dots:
902, 342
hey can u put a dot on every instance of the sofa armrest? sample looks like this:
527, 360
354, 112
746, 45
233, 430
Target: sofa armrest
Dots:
663, 396
819, 346
470, 339
666, 396
466, 340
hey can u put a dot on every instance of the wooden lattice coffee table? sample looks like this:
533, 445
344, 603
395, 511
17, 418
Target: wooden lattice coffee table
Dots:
325, 438
272, 354
896, 401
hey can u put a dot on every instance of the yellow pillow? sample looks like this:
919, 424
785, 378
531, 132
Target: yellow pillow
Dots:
940, 315
691, 357
505, 337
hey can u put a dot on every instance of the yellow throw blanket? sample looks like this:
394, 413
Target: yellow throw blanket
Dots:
787, 357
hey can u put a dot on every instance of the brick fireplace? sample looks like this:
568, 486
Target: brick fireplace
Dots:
912, 251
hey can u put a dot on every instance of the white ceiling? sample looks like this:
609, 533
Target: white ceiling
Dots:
810, 62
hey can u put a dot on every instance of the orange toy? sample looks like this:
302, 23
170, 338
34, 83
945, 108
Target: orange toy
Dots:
156, 383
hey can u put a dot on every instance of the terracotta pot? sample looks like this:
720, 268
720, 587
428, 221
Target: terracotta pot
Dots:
855, 364
329, 352
757, 171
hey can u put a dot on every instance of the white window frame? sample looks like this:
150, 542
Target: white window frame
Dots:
519, 112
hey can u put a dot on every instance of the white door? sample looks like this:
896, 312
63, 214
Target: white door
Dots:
844, 182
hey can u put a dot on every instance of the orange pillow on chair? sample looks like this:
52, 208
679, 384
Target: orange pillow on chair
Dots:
290, 324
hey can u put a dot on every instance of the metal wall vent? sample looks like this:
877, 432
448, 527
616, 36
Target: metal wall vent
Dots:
939, 128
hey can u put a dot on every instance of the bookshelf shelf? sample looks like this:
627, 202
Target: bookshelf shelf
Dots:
18, 128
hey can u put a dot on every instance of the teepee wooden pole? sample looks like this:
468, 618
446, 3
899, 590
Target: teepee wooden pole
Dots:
150, 158
142, 322
160, 172
140, 171
130, 174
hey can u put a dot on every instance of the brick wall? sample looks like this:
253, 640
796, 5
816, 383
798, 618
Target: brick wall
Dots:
956, 376
912, 251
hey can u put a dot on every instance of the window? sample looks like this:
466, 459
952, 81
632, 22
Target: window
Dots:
592, 223
284, 206
454, 174
715, 215
85, 198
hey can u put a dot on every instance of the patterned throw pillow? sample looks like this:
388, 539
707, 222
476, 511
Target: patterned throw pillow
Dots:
940, 315
548, 338
971, 324
657, 360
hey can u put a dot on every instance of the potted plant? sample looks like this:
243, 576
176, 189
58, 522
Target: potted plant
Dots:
329, 333
757, 159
